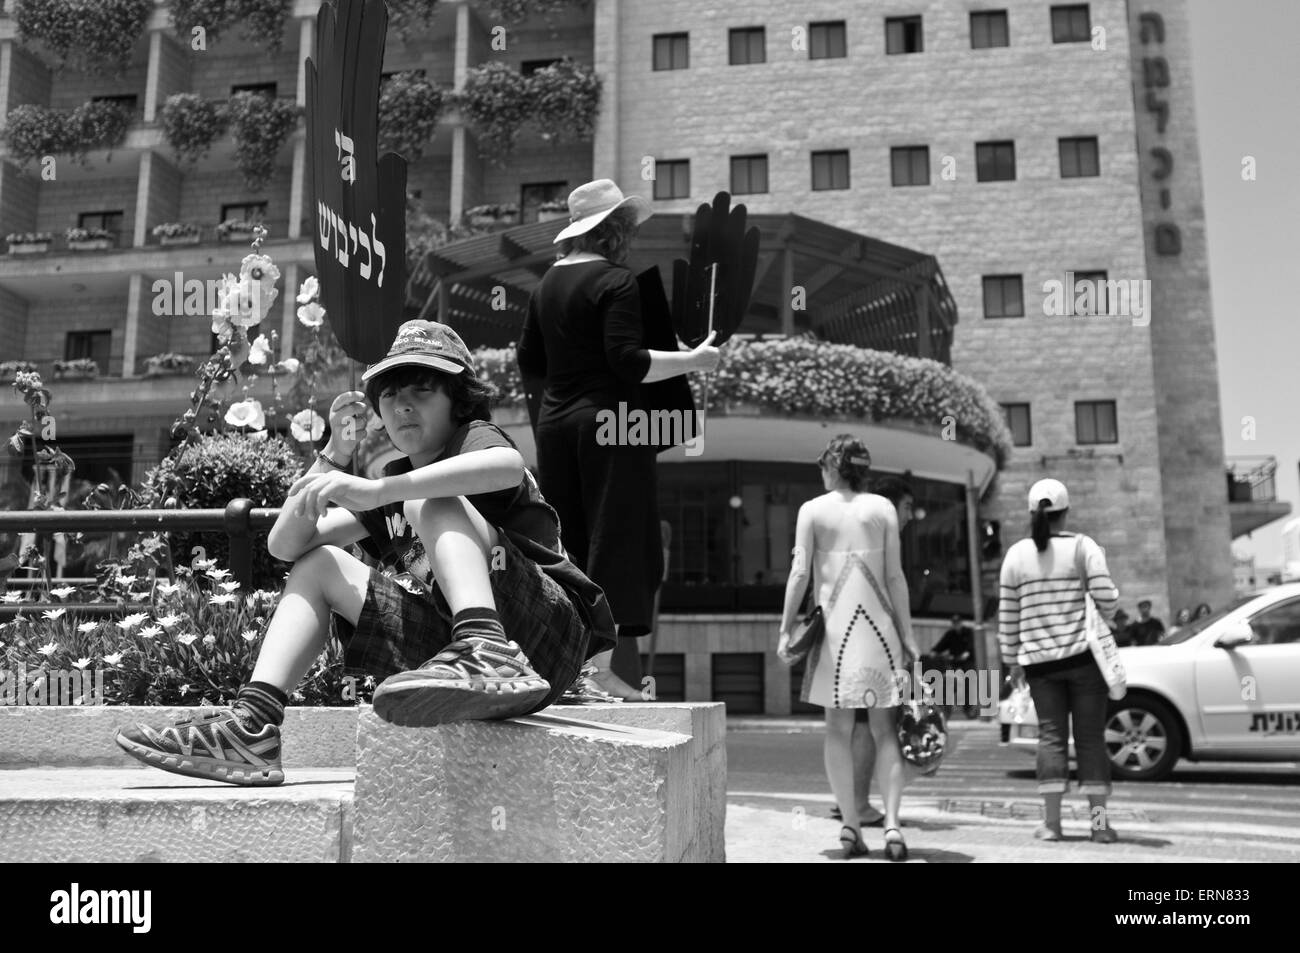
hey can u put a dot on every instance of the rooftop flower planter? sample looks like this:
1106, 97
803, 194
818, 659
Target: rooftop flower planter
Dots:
33, 131
90, 239
177, 233
558, 103
92, 36
804, 376
77, 369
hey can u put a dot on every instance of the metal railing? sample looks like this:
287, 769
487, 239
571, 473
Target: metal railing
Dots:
239, 520
1252, 479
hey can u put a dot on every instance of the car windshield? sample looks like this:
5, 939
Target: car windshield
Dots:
1185, 632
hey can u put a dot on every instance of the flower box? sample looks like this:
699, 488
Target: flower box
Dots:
191, 239
551, 215
77, 369
28, 248
90, 244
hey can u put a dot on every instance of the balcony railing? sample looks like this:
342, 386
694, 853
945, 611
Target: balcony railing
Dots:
1252, 479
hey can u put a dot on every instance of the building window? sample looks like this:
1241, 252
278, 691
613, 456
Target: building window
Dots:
262, 89
534, 194
1017, 417
109, 221
738, 679
827, 41
1097, 281
1070, 24
1079, 157
92, 344
748, 175
673, 179
995, 161
243, 212
672, 51
903, 35
748, 45
529, 67
910, 165
1094, 422
1004, 296
127, 102
830, 170
988, 29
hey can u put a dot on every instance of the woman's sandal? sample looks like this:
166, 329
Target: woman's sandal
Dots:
895, 847
851, 843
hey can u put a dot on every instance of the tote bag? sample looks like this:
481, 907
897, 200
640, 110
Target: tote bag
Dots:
1100, 639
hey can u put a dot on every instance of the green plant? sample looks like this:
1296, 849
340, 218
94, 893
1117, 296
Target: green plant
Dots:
10, 369
76, 367
409, 107
260, 125
407, 18
95, 36
192, 124
87, 234
190, 642
515, 11
559, 102
236, 226
212, 470
28, 238
174, 229
169, 362
507, 211
262, 21
35, 131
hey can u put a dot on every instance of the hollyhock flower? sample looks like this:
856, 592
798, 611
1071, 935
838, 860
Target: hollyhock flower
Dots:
246, 413
290, 365
308, 290
260, 350
307, 426
311, 315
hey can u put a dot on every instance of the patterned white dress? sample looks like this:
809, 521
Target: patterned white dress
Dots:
859, 662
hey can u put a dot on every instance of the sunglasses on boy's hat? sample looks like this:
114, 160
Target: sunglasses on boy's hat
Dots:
425, 344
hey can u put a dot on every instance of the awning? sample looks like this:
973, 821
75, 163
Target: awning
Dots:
812, 277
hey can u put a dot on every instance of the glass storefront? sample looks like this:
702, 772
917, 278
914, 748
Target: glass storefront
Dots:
733, 525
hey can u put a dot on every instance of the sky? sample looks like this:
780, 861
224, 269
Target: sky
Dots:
1246, 78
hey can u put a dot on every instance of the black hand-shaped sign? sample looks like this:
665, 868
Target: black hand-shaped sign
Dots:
719, 237
359, 201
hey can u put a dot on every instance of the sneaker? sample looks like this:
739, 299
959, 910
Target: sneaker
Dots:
471, 679
212, 744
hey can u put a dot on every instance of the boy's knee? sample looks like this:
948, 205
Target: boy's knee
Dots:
311, 563
433, 511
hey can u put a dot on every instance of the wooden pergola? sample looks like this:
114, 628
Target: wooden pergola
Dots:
812, 277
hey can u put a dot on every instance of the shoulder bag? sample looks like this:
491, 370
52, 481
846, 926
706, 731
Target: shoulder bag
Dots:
1098, 635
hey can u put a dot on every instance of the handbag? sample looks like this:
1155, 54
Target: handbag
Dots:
922, 735
810, 631
1097, 633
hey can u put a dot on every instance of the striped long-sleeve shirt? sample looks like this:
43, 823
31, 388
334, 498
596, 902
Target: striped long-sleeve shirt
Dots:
1040, 616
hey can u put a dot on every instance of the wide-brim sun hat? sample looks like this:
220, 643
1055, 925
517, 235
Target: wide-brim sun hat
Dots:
1054, 491
592, 203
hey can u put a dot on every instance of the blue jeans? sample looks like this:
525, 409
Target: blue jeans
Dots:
1077, 693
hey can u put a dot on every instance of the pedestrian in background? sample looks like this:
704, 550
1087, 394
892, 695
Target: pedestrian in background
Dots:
1041, 633
848, 539
1147, 630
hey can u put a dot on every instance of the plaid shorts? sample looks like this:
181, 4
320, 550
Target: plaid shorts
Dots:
399, 630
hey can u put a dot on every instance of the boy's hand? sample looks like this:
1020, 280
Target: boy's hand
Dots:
310, 495
348, 416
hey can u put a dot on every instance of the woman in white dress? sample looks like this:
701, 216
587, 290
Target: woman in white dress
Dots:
848, 539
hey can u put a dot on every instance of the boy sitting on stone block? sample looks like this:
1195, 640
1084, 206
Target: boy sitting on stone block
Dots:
487, 618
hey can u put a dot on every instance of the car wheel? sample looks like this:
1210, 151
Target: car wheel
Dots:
1143, 739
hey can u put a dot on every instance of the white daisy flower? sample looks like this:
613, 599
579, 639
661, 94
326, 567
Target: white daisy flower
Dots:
150, 632
209, 640
229, 586
49, 648
248, 635
87, 627
113, 659
53, 614
186, 639
131, 621
63, 592
81, 663
168, 621
223, 599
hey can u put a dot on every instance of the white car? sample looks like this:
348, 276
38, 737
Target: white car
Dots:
1224, 688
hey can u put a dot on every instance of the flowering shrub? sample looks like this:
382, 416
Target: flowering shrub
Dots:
88, 234
95, 36
807, 376
260, 125
409, 107
174, 230
77, 367
214, 469
34, 131
262, 20
190, 124
560, 102
190, 642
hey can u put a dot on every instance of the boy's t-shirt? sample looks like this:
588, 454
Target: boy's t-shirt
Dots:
521, 510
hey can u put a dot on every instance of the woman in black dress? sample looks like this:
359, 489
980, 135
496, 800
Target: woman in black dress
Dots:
584, 337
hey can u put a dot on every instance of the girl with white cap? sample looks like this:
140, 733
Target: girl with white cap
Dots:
1041, 633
